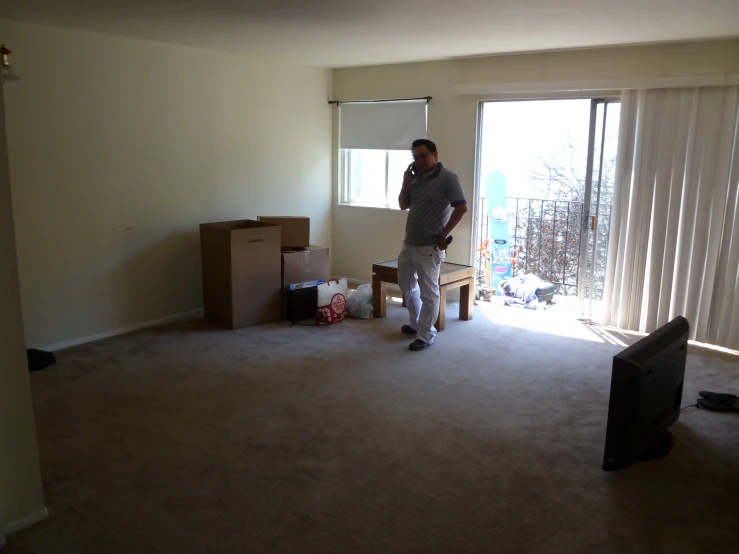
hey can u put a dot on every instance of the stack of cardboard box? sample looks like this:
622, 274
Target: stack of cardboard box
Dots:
247, 266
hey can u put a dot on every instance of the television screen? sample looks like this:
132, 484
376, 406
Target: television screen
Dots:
646, 394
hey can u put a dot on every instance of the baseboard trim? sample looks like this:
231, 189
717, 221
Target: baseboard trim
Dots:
26, 522
195, 314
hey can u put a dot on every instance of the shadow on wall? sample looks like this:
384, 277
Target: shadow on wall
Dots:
162, 280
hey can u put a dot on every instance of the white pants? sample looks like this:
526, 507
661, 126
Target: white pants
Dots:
418, 279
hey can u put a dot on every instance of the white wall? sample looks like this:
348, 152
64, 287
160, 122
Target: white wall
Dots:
362, 235
119, 148
20, 480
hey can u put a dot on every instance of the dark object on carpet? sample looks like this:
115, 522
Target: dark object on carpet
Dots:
301, 304
717, 405
717, 395
646, 392
418, 345
38, 359
408, 330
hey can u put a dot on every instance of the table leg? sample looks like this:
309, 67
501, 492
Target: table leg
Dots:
441, 321
467, 300
379, 296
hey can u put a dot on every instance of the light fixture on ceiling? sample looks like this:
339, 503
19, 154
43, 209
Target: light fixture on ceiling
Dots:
7, 73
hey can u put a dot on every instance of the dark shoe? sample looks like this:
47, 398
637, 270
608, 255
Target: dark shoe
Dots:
408, 330
418, 344
719, 405
717, 395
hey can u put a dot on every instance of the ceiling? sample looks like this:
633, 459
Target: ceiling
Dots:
339, 33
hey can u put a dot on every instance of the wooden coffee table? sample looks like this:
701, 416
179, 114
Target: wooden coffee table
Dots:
451, 276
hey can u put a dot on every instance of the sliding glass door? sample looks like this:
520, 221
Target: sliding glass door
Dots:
546, 172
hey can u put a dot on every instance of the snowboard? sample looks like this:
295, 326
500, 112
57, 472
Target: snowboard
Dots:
501, 267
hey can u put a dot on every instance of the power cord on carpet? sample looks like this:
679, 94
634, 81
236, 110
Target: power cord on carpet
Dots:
689, 406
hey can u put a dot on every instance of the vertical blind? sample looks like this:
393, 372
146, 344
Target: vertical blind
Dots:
674, 235
382, 125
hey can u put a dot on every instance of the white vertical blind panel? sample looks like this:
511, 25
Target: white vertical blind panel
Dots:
382, 125
660, 259
682, 114
729, 253
613, 287
715, 208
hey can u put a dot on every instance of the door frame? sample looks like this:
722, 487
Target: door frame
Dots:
590, 222
587, 202
608, 97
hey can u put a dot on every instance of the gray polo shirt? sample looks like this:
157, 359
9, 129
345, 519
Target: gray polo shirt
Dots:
432, 198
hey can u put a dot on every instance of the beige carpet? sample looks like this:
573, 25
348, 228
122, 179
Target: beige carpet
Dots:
188, 439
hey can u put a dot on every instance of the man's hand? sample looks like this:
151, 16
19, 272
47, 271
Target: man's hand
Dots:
404, 198
409, 174
456, 217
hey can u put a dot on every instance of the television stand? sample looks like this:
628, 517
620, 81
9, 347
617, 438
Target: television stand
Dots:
659, 447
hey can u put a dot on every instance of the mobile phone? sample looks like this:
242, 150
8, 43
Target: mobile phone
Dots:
413, 168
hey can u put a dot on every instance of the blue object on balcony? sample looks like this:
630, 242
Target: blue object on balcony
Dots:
500, 256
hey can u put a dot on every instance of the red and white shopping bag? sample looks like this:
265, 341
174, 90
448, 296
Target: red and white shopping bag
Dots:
331, 302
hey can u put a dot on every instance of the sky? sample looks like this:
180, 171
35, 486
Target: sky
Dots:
517, 135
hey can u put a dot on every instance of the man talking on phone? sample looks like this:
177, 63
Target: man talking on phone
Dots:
436, 203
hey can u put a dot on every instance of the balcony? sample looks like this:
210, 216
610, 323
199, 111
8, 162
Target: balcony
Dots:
545, 238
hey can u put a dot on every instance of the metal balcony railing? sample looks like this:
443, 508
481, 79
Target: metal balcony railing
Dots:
545, 238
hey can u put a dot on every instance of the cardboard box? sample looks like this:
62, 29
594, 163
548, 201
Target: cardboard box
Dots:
295, 229
241, 272
305, 265
301, 266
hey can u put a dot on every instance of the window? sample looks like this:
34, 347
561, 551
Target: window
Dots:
375, 140
373, 177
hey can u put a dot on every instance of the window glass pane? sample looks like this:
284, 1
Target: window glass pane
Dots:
613, 119
398, 161
367, 176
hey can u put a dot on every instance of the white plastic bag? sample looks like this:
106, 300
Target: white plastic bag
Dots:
359, 304
331, 302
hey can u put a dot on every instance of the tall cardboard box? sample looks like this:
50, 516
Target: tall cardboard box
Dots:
303, 266
295, 229
241, 272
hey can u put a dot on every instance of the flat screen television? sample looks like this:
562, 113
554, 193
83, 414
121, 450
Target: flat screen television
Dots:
646, 394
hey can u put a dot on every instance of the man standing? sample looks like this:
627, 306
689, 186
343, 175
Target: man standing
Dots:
436, 203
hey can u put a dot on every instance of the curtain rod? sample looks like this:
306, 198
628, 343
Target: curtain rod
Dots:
338, 102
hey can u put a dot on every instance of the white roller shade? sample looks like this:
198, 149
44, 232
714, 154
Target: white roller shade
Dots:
382, 125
